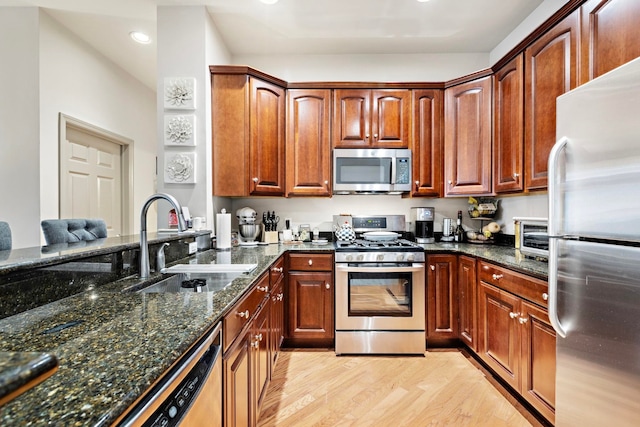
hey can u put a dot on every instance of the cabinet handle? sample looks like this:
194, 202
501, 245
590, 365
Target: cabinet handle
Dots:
327, 285
522, 320
545, 296
263, 288
513, 315
244, 314
310, 262
433, 267
497, 276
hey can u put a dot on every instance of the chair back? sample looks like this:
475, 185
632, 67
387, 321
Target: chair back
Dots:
73, 230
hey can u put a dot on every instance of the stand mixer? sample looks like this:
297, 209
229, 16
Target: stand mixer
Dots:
247, 226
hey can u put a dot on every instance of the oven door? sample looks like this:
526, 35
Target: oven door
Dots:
380, 297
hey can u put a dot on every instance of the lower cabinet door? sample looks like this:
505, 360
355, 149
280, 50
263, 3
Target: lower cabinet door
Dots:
498, 334
310, 305
237, 383
538, 359
467, 301
262, 355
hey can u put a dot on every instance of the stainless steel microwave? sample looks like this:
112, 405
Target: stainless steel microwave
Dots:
371, 171
532, 237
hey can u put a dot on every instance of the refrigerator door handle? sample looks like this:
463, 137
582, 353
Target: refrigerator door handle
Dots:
555, 213
555, 203
553, 288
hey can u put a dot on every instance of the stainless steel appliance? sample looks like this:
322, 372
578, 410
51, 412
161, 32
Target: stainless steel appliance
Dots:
190, 394
594, 253
247, 226
423, 220
371, 171
380, 290
532, 236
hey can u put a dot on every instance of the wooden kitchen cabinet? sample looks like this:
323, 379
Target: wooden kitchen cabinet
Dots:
551, 69
247, 358
276, 280
515, 338
442, 299
308, 149
248, 126
426, 145
310, 300
508, 127
610, 36
467, 138
366, 118
467, 301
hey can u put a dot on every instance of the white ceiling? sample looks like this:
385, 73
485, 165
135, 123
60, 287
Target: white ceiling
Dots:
249, 27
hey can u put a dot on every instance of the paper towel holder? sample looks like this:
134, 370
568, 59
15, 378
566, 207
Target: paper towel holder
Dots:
223, 237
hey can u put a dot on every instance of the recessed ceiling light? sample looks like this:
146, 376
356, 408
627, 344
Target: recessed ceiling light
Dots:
269, 1
140, 37
423, 1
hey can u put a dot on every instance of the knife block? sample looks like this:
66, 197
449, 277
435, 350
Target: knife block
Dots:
270, 237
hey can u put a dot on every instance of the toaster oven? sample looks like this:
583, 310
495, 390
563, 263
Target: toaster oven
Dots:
532, 237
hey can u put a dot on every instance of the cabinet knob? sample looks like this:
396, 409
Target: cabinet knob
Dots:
255, 179
497, 276
375, 136
244, 314
263, 288
280, 297
327, 285
310, 262
522, 320
545, 296
433, 267
417, 185
513, 315
326, 183
276, 269
450, 182
516, 175
255, 344
259, 337
366, 136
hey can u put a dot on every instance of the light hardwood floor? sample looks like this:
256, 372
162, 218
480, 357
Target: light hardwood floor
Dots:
444, 388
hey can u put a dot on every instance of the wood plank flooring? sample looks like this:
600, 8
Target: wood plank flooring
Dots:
444, 388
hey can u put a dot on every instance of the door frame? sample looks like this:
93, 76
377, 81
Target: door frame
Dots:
126, 163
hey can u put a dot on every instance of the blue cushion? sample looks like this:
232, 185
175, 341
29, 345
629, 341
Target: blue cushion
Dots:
73, 230
5, 236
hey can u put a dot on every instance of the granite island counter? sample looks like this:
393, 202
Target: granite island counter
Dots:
113, 345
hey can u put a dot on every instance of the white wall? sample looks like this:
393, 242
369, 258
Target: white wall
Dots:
19, 124
188, 43
78, 81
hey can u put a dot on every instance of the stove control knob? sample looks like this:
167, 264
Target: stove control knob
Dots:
411, 257
360, 257
400, 257
349, 257
380, 257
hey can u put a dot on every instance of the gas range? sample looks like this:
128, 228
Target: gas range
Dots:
365, 251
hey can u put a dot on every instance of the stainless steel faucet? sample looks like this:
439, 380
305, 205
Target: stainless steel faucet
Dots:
144, 245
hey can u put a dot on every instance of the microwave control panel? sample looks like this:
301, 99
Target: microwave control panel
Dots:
403, 171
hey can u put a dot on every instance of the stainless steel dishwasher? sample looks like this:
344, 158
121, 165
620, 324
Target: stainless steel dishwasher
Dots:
190, 394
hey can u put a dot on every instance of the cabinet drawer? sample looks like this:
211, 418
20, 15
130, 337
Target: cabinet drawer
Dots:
530, 288
276, 272
238, 317
311, 262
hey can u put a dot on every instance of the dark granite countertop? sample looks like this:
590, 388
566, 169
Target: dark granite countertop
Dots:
22, 371
112, 345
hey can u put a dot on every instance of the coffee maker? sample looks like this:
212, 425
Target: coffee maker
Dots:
423, 220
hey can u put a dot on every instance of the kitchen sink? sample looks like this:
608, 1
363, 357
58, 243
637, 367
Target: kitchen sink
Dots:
193, 282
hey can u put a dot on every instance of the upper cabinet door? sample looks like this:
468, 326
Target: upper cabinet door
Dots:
351, 120
267, 117
550, 70
308, 142
426, 146
390, 118
508, 127
371, 118
467, 138
610, 36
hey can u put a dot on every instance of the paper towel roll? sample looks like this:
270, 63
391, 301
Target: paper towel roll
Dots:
223, 230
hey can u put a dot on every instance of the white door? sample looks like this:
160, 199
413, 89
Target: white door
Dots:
92, 175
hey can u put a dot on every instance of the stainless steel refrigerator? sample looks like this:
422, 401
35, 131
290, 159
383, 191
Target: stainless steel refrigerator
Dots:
594, 251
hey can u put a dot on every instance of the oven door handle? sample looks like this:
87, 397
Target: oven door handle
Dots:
348, 269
